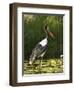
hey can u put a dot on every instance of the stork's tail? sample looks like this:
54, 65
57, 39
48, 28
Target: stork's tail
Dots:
32, 58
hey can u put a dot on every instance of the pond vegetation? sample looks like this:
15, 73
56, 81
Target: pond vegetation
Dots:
48, 66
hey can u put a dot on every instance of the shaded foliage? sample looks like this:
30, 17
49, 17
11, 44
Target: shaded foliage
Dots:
34, 33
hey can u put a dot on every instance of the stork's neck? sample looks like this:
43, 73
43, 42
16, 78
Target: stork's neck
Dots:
46, 31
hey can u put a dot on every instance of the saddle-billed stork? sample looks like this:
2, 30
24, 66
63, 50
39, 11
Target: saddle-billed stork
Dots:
41, 47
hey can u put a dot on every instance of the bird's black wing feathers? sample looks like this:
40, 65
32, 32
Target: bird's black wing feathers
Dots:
38, 50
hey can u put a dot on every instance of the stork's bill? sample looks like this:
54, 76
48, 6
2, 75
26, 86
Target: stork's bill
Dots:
51, 34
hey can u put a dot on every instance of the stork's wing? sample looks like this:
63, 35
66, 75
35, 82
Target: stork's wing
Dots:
38, 50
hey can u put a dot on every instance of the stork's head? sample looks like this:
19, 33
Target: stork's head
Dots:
48, 32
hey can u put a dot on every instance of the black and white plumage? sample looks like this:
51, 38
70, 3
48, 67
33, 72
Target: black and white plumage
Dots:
41, 47
39, 50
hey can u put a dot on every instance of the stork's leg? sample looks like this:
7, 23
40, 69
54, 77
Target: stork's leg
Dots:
42, 58
40, 64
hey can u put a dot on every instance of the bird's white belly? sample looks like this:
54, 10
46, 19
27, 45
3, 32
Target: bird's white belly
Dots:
43, 42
